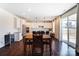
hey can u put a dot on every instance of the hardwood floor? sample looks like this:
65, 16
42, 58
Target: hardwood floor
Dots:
58, 49
15, 49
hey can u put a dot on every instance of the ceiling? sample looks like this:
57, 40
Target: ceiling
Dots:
37, 10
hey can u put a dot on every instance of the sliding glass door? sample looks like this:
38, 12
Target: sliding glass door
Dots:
68, 30
64, 30
72, 30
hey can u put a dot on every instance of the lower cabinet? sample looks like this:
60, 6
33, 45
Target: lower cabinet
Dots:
9, 38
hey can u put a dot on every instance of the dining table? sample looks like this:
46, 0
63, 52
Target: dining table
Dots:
46, 38
30, 36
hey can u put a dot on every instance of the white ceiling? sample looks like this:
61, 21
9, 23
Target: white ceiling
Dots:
39, 10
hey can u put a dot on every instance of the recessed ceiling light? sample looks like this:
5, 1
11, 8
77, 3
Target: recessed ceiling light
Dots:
29, 9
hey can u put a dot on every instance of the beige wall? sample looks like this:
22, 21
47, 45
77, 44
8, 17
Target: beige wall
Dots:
56, 27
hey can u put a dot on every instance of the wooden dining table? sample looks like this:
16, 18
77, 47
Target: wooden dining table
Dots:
29, 38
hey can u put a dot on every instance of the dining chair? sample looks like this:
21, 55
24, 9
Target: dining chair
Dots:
34, 32
27, 45
39, 32
42, 32
37, 49
47, 32
47, 42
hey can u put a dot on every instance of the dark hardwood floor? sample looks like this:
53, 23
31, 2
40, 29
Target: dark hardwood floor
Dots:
17, 49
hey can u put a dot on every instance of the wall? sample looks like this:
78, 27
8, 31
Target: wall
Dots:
56, 27
19, 26
7, 24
